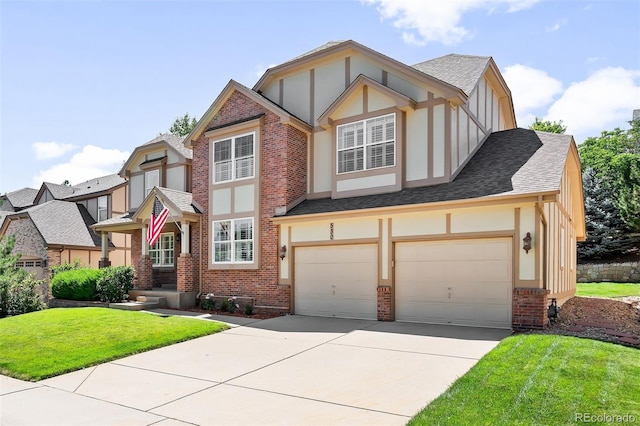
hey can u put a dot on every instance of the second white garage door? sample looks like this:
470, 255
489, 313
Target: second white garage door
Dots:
336, 281
465, 282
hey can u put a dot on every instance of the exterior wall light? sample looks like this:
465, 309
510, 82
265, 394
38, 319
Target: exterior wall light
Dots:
527, 242
283, 252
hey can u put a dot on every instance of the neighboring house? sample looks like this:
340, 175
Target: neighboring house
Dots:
348, 184
159, 168
52, 224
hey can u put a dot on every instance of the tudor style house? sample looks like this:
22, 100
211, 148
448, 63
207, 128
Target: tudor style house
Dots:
52, 224
348, 184
160, 168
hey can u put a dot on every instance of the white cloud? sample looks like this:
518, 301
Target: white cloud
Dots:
49, 150
557, 25
424, 21
531, 89
602, 101
91, 162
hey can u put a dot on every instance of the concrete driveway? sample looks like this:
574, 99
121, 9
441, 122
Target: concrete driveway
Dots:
289, 370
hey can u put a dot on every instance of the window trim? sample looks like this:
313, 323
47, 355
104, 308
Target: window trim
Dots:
232, 241
105, 209
366, 145
148, 190
233, 158
161, 251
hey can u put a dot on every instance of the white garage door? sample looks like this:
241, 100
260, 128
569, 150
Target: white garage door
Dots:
336, 281
465, 282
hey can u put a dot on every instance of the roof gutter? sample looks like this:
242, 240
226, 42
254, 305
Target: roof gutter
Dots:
548, 196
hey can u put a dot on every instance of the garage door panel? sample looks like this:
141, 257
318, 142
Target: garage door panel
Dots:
336, 281
467, 282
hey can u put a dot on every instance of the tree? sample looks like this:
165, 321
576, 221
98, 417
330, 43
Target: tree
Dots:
615, 158
182, 126
18, 288
548, 126
607, 233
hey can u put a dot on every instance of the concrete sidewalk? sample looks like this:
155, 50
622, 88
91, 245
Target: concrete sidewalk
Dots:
287, 370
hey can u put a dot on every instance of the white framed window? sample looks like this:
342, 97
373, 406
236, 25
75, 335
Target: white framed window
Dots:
234, 158
151, 179
103, 213
162, 251
233, 241
366, 144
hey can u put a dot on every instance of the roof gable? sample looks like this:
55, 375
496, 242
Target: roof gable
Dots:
344, 48
401, 101
230, 88
166, 141
60, 223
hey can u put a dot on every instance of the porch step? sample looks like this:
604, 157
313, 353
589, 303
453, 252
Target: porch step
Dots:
161, 301
134, 306
169, 287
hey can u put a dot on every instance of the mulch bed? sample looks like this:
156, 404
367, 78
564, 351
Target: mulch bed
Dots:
239, 313
609, 320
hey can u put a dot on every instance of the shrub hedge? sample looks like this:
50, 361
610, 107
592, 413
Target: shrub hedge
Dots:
108, 284
76, 284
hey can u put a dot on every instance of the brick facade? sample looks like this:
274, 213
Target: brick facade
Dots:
186, 267
385, 304
530, 308
145, 273
283, 179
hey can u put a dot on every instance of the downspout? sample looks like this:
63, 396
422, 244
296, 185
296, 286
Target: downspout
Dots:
539, 206
200, 260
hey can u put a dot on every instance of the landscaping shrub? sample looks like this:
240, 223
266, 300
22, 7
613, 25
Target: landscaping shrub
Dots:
77, 284
208, 303
114, 283
55, 269
19, 290
248, 309
19, 294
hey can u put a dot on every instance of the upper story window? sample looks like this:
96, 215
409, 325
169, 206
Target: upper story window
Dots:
233, 241
151, 179
103, 212
233, 158
367, 144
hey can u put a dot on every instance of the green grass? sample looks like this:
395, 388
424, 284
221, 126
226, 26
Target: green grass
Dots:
55, 341
607, 289
541, 380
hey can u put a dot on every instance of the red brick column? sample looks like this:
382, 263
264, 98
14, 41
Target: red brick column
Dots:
529, 308
104, 263
186, 273
385, 304
145, 273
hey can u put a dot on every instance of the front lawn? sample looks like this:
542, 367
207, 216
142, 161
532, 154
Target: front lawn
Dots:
47, 343
607, 289
542, 380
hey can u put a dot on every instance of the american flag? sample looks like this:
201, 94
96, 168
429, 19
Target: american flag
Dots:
158, 218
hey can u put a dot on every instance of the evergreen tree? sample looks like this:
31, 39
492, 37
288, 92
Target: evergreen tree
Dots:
607, 234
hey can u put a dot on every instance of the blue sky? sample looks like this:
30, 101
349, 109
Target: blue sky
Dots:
83, 83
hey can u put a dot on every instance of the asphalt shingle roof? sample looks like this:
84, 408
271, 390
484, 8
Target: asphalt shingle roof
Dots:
511, 162
64, 223
175, 141
22, 197
182, 200
462, 71
96, 185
